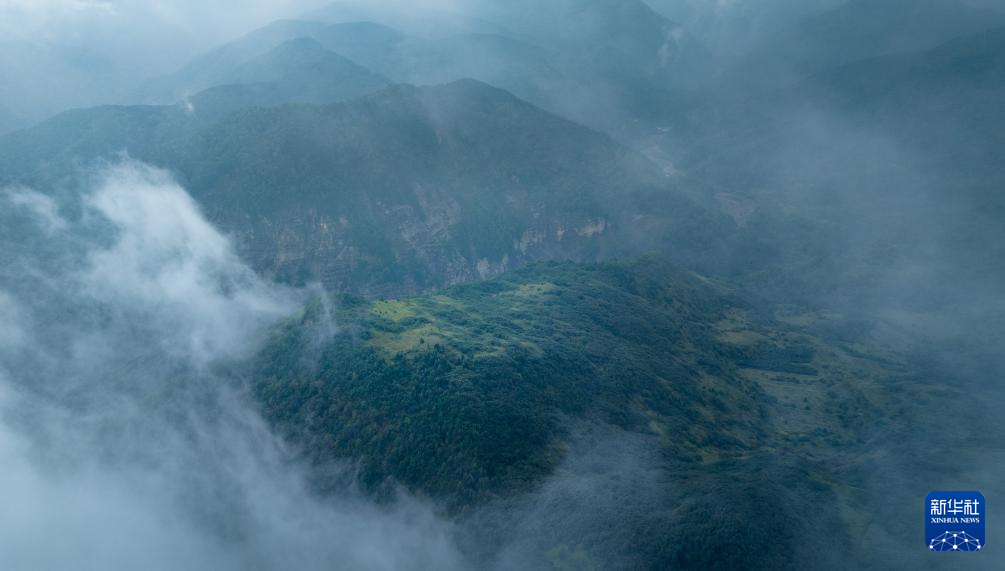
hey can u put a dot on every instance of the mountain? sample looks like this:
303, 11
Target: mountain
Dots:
939, 103
941, 100
297, 71
598, 62
213, 68
427, 22
624, 40
732, 28
942, 106
295, 61
752, 344
55, 149
399, 192
497, 60
861, 29
531, 72
481, 182
42, 79
626, 64
485, 392
511, 64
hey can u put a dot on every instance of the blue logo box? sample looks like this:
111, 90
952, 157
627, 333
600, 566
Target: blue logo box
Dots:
954, 521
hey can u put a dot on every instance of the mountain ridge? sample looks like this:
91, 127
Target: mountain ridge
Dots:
306, 191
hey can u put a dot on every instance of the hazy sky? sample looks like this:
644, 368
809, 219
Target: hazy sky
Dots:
170, 31
156, 35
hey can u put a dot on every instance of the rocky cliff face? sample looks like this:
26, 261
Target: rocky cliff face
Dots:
423, 246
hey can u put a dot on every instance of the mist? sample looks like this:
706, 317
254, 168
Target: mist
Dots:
456, 284
127, 439
60, 54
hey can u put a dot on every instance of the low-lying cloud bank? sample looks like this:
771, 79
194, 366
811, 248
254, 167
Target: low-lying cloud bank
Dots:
125, 439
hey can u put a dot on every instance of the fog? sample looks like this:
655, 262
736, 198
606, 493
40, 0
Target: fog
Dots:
864, 173
60, 54
126, 438
183, 28
729, 27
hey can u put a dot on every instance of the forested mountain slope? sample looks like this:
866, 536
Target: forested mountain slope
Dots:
402, 191
485, 392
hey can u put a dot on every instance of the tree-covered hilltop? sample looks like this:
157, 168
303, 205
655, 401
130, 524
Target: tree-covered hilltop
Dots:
463, 393
474, 395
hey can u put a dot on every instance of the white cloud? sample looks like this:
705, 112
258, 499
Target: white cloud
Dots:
125, 440
42, 206
168, 257
11, 330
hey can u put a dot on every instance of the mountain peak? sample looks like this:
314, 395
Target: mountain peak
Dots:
293, 57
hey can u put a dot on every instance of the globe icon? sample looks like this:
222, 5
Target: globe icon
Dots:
955, 541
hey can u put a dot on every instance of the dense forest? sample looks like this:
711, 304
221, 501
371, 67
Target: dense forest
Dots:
475, 395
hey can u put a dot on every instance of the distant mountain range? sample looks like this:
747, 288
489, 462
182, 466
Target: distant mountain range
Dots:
212, 68
856, 30
560, 73
501, 61
297, 71
577, 59
427, 22
919, 100
398, 192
